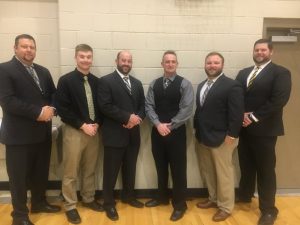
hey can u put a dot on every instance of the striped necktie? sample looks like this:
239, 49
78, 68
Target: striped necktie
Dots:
253, 77
89, 98
34, 76
209, 84
126, 81
167, 82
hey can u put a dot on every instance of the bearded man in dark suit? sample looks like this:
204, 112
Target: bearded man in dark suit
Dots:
267, 88
26, 92
121, 100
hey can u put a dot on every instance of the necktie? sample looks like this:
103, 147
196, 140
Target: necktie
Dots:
209, 84
166, 83
253, 77
89, 98
34, 76
127, 83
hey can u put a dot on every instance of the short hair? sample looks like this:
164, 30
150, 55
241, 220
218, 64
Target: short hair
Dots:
264, 41
169, 52
83, 48
215, 53
23, 36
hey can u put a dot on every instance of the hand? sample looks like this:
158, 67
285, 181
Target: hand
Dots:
134, 120
47, 114
89, 129
163, 129
229, 140
246, 121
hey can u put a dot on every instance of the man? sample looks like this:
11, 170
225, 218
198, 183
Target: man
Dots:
26, 91
169, 104
217, 121
121, 100
267, 88
77, 106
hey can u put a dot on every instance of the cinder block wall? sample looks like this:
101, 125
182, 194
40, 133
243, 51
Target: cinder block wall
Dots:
147, 28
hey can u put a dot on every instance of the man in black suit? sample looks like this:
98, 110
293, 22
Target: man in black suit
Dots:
26, 92
267, 88
217, 121
121, 99
169, 104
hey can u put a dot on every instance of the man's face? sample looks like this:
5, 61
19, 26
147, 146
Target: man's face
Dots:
169, 63
25, 50
124, 62
213, 66
261, 53
84, 60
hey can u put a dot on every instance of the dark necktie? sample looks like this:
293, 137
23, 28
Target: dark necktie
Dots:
253, 77
31, 71
126, 81
89, 98
209, 84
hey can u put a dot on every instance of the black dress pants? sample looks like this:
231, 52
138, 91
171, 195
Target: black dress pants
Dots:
27, 168
170, 151
257, 162
124, 158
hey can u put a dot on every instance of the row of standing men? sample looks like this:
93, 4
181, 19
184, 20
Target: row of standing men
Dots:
246, 112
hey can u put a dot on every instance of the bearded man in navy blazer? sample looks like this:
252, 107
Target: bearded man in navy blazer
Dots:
267, 88
121, 100
217, 121
26, 92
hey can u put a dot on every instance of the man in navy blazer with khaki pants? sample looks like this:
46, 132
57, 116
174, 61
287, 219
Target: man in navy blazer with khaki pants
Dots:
217, 121
267, 88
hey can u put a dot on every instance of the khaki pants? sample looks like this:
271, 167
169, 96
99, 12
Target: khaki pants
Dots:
80, 153
217, 170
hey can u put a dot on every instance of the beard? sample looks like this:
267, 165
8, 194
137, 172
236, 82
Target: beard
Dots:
260, 60
124, 69
213, 73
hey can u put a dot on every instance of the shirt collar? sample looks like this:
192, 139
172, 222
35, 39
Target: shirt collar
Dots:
216, 78
171, 78
81, 75
263, 65
121, 74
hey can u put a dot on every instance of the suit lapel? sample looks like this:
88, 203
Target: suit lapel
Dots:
264, 72
25, 74
213, 88
120, 81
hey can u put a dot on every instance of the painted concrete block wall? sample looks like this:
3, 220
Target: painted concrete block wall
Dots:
147, 28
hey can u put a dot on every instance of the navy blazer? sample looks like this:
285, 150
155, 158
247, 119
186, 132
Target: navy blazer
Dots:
117, 104
22, 101
266, 97
221, 113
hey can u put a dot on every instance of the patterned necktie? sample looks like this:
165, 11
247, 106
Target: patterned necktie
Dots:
126, 81
253, 77
209, 84
167, 82
36, 79
89, 98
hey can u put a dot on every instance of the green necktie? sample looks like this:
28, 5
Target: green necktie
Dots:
89, 98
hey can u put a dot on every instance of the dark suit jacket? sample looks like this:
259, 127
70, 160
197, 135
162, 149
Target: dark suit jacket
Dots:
22, 101
221, 113
267, 96
116, 104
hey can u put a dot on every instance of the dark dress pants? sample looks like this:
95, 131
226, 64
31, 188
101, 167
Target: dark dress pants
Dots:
116, 158
27, 168
257, 161
171, 150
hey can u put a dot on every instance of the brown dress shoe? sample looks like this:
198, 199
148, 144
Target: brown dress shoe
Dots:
220, 216
206, 204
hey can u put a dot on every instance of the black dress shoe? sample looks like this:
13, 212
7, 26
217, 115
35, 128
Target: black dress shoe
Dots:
112, 213
73, 216
155, 202
45, 207
267, 219
22, 222
94, 205
177, 214
134, 203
